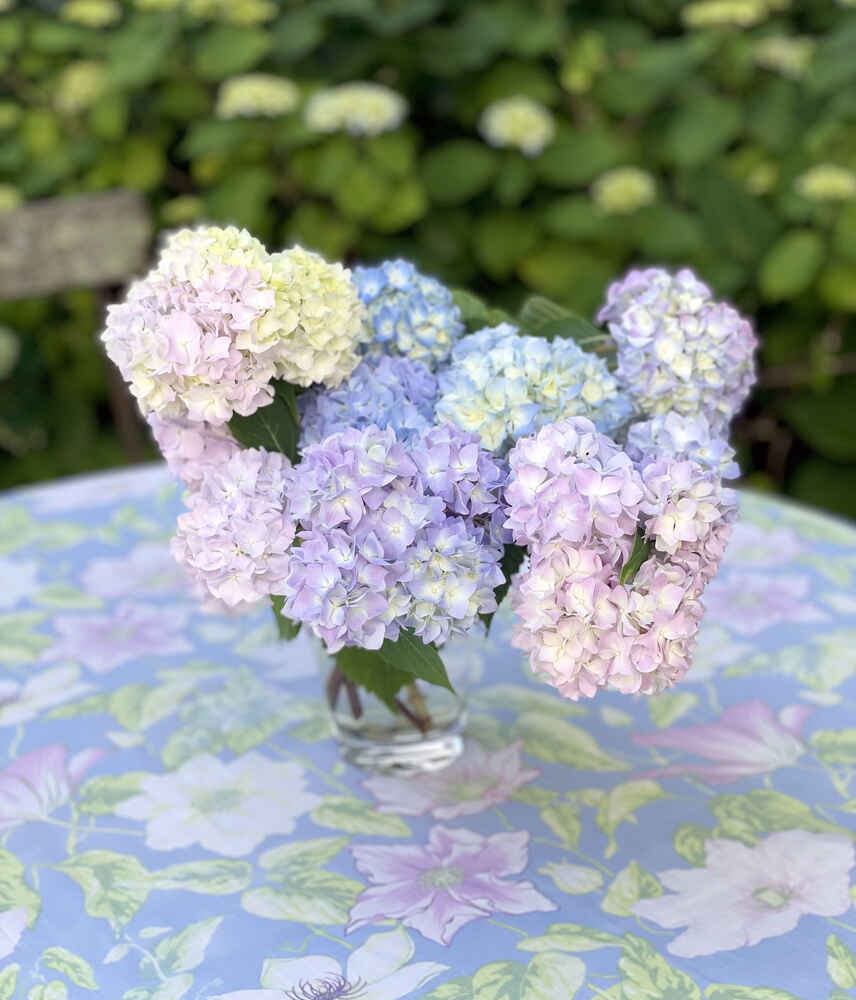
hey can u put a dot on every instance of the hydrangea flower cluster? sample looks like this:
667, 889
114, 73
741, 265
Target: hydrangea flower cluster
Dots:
235, 539
257, 94
202, 336
385, 545
679, 349
518, 121
360, 108
385, 391
681, 437
504, 386
408, 313
578, 503
192, 448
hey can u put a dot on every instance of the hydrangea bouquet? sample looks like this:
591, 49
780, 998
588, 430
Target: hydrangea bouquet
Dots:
384, 460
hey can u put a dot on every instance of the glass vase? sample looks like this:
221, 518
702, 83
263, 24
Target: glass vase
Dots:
423, 733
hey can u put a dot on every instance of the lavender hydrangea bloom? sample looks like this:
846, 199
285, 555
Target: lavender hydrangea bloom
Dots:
235, 539
679, 349
409, 313
672, 434
385, 543
503, 386
192, 448
385, 391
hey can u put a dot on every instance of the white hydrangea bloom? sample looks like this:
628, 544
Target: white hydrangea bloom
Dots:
827, 182
786, 55
360, 108
520, 122
79, 85
708, 13
257, 94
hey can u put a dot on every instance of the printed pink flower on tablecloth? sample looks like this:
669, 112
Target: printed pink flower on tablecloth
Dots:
746, 740
148, 568
35, 785
477, 780
437, 888
748, 603
103, 642
746, 894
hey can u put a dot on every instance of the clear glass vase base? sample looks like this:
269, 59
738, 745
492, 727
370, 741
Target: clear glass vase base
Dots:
403, 753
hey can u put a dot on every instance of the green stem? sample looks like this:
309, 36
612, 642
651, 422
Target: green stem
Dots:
329, 937
16, 741
508, 927
147, 954
502, 818
840, 923
576, 853
91, 829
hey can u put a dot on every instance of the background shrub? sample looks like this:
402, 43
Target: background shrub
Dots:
739, 117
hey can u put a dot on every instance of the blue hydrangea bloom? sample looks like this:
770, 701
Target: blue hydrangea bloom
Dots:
388, 392
503, 386
409, 314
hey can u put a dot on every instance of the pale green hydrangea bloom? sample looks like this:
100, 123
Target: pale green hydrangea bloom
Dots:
257, 94
10, 197
182, 209
827, 182
520, 122
708, 13
79, 85
234, 11
788, 56
360, 108
623, 190
91, 13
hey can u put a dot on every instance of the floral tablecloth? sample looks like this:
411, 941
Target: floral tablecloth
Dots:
176, 821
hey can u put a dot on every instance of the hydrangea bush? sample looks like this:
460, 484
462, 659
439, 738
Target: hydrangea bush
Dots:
384, 459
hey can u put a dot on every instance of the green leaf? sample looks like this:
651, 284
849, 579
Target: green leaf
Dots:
404, 204
314, 897
366, 668
689, 841
77, 969
559, 742
746, 817
512, 558
286, 627
537, 311
475, 312
9, 981
115, 886
547, 976
303, 854
227, 49
275, 427
531, 795
460, 988
185, 950
570, 937
699, 129
14, 891
642, 547
816, 417
411, 655
652, 975
620, 804
53, 990
517, 698
456, 171
352, 815
666, 708
100, 796
580, 156
629, 886
724, 991
564, 820
19, 642
840, 963
791, 264
210, 877
500, 239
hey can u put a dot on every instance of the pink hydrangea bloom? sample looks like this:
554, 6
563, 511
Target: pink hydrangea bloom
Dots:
235, 538
192, 447
35, 785
744, 895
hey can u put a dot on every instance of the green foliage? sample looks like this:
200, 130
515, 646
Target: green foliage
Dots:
724, 137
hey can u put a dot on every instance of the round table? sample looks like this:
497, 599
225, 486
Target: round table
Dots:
176, 821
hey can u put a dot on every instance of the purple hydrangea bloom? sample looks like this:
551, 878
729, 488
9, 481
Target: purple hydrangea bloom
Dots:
192, 448
385, 545
679, 349
236, 537
677, 436
385, 391
410, 314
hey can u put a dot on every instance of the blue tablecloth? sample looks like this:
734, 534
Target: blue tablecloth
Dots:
176, 821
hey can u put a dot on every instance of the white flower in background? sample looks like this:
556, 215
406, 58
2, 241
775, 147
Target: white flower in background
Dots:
361, 108
827, 182
20, 581
79, 85
623, 190
377, 970
708, 13
520, 122
230, 11
261, 94
786, 55
228, 809
91, 13
20, 703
